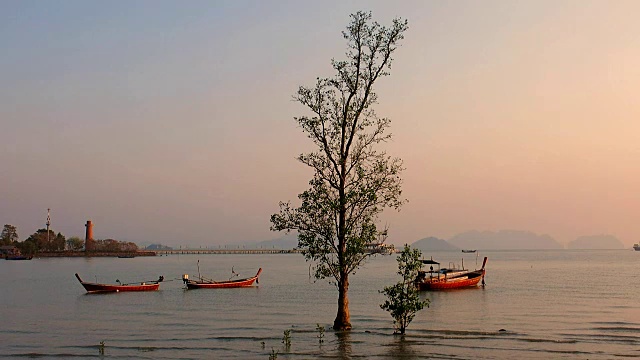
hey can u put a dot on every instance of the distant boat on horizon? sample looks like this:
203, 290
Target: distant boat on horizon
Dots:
468, 250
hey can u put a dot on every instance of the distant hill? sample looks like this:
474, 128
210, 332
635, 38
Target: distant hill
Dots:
433, 244
285, 242
596, 242
504, 240
158, 247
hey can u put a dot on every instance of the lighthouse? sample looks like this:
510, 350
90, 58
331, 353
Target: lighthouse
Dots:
88, 239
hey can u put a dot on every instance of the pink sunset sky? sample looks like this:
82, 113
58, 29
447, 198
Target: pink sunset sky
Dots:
172, 122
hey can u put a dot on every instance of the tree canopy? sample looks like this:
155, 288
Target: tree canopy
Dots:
9, 235
43, 241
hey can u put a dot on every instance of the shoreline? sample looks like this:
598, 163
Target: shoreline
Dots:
94, 254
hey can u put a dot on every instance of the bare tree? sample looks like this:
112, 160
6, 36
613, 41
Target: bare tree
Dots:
352, 182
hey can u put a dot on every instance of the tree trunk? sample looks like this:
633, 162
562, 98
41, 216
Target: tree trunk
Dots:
343, 318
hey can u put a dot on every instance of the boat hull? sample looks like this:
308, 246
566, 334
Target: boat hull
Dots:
193, 284
107, 288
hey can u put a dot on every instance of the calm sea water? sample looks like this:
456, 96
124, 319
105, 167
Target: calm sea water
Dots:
552, 304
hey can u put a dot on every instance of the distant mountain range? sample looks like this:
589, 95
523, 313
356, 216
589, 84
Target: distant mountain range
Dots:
513, 240
284, 242
504, 240
158, 247
433, 244
480, 240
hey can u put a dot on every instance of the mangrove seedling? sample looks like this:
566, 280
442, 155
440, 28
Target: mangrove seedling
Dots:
273, 355
403, 298
320, 330
286, 339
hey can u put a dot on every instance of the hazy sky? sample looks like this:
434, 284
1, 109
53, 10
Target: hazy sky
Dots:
173, 121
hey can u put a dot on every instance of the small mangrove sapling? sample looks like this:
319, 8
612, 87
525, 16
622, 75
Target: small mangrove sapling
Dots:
286, 339
320, 330
403, 300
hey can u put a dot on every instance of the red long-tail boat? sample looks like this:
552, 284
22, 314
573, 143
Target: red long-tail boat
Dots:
18, 257
104, 288
204, 283
445, 279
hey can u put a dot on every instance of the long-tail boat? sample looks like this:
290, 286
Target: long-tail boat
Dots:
204, 283
138, 286
18, 257
445, 279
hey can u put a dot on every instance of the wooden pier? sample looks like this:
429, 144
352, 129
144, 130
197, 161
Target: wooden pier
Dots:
224, 251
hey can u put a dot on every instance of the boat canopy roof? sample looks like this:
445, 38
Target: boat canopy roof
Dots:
430, 262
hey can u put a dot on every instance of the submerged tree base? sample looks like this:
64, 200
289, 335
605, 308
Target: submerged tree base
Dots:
339, 326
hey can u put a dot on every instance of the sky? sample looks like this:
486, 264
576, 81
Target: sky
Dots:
172, 122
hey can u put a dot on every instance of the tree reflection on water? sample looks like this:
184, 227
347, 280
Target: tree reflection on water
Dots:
344, 344
401, 348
